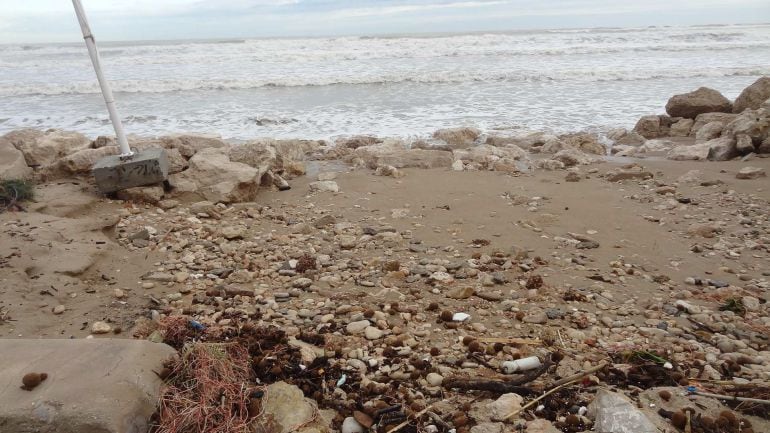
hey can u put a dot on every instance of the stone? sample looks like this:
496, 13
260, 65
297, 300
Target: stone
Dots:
144, 168
232, 232
327, 175
626, 174
585, 142
536, 318
59, 309
357, 141
257, 154
709, 131
681, 128
350, 425
702, 100
754, 123
458, 165
12, 162
434, 379
101, 328
394, 153
286, 408
488, 427
42, 149
504, 405
357, 327
348, 242
722, 149
571, 157
692, 152
572, 177
743, 144
302, 283
217, 179
458, 136
541, 425
324, 221
142, 194
705, 118
461, 292
78, 163
648, 126
388, 170
372, 333
753, 96
750, 173
324, 186
93, 385
190, 144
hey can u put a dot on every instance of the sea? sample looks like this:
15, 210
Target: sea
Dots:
399, 85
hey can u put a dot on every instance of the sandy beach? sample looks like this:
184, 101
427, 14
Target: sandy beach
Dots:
646, 257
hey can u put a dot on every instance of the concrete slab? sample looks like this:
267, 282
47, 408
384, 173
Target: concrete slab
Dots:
93, 385
144, 168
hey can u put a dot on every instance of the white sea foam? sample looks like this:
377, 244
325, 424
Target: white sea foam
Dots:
556, 79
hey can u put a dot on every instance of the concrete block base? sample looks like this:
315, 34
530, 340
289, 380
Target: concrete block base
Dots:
93, 385
144, 168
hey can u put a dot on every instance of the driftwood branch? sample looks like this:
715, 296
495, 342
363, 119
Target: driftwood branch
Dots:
498, 386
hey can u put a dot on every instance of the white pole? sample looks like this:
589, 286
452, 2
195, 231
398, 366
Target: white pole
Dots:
125, 151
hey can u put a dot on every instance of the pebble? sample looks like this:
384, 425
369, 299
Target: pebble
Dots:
59, 309
100, 328
357, 327
371, 333
434, 379
350, 425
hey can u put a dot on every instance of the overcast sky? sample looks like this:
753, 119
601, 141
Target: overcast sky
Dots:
54, 20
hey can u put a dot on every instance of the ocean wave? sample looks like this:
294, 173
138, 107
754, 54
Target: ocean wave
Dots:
180, 85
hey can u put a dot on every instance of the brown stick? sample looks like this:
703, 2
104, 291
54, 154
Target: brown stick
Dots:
731, 397
498, 386
557, 386
417, 415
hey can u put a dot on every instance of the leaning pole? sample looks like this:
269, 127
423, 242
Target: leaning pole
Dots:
128, 169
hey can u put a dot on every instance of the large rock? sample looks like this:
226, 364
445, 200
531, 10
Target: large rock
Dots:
93, 386
190, 144
709, 131
285, 409
584, 141
692, 152
753, 96
570, 157
703, 100
648, 126
395, 153
703, 119
258, 154
46, 148
176, 161
357, 141
212, 175
78, 163
458, 136
486, 155
722, 149
754, 123
681, 128
12, 162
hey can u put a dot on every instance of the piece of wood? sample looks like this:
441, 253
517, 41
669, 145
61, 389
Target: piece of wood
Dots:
731, 397
557, 386
498, 386
513, 340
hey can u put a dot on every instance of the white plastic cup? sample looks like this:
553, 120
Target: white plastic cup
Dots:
523, 364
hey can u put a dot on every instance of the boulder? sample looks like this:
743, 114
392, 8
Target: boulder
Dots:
357, 141
486, 156
629, 138
635, 172
286, 409
584, 141
176, 161
93, 385
212, 175
458, 136
648, 126
709, 131
78, 163
190, 144
553, 145
702, 100
394, 153
288, 152
705, 118
570, 157
258, 154
753, 96
324, 186
12, 162
692, 152
743, 144
48, 147
764, 147
681, 128
722, 149
754, 123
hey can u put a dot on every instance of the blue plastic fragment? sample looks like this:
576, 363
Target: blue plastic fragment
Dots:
196, 325
342, 380
691, 388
